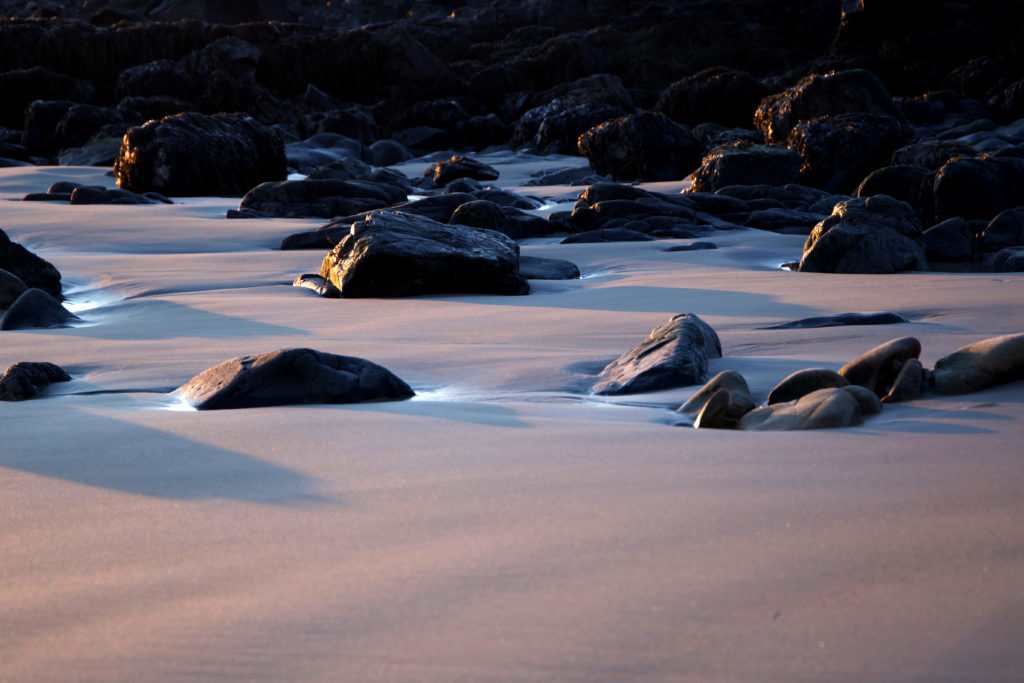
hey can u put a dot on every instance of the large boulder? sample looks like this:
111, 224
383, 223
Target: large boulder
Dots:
720, 94
23, 381
291, 376
29, 268
320, 198
644, 146
822, 409
818, 95
839, 150
746, 164
398, 254
675, 354
866, 235
194, 155
981, 365
976, 187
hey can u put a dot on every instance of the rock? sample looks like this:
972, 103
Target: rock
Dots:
423, 139
675, 354
291, 376
506, 220
839, 150
940, 110
320, 150
35, 308
905, 183
397, 254
803, 382
746, 164
194, 155
950, 240
929, 154
1009, 260
866, 235
1008, 104
320, 286
29, 268
695, 246
841, 319
21, 87
458, 166
354, 122
878, 368
539, 268
644, 146
721, 94
319, 198
1005, 230
607, 235
23, 381
981, 365
866, 399
818, 95
909, 383
345, 168
977, 188
822, 409
11, 287
388, 153
783, 221
101, 152
506, 199
720, 403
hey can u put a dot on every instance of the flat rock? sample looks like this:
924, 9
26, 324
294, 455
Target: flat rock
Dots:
35, 308
291, 376
397, 254
607, 235
981, 365
23, 381
841, 319
695, 246
878, 368
539, 268
822, 409
675, 354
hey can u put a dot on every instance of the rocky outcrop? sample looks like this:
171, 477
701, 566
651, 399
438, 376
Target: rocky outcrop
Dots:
291, 376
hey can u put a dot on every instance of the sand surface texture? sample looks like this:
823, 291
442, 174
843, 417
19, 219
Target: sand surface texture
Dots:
504, 525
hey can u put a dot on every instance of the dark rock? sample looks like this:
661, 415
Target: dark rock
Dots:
1005, 230
355, 122
820, 95
977, 188
320, 150
675, 354
841, 319
90, 195
319, 198
567, 176
645, 146
557, 125
423, 139
291, 376
443, 172
396, 254
345, 168
1008, 104
538, 268
194, 155
11, 287
506, 199
745, 164
803, 382
866, 399
47, 197
950, 240
100, 152
81, 122
822, 409
1009, 260
319, 285
981, 365
878, 368
783, 221
866, 235
791, 196
607, 235
720, 403
246, 214
929, 154
838, 151
29, 268
153, 107
41, 119
35, 308
905, 183
909, 383
696, 246
508, 221
388, 153
720, 94
19, 88
23, 381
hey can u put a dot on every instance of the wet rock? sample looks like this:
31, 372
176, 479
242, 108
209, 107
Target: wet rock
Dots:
818, 95
878, 368
822, 409
695, 246
929, 154
674, 354
841, 319
839, 150
322, 149
977, 188
803, 382
909, 383
746, 164
607, 235
35, 308
194, 155
291, 376
644, 146
458, 166
981, 365
318, 285
1005, 230
388, 153
905, 183
721, 94
319, 198
563, 114
29, 268
509, 221
11, 287
866, 235
950, 240
23, 381
783, 221
346, 168
720, 403
354, 122
396, 254
539, 268
1009, 260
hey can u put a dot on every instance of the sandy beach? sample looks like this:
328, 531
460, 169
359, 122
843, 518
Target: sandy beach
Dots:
505, 524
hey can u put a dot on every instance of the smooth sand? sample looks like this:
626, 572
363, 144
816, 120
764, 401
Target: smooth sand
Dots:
503, 525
